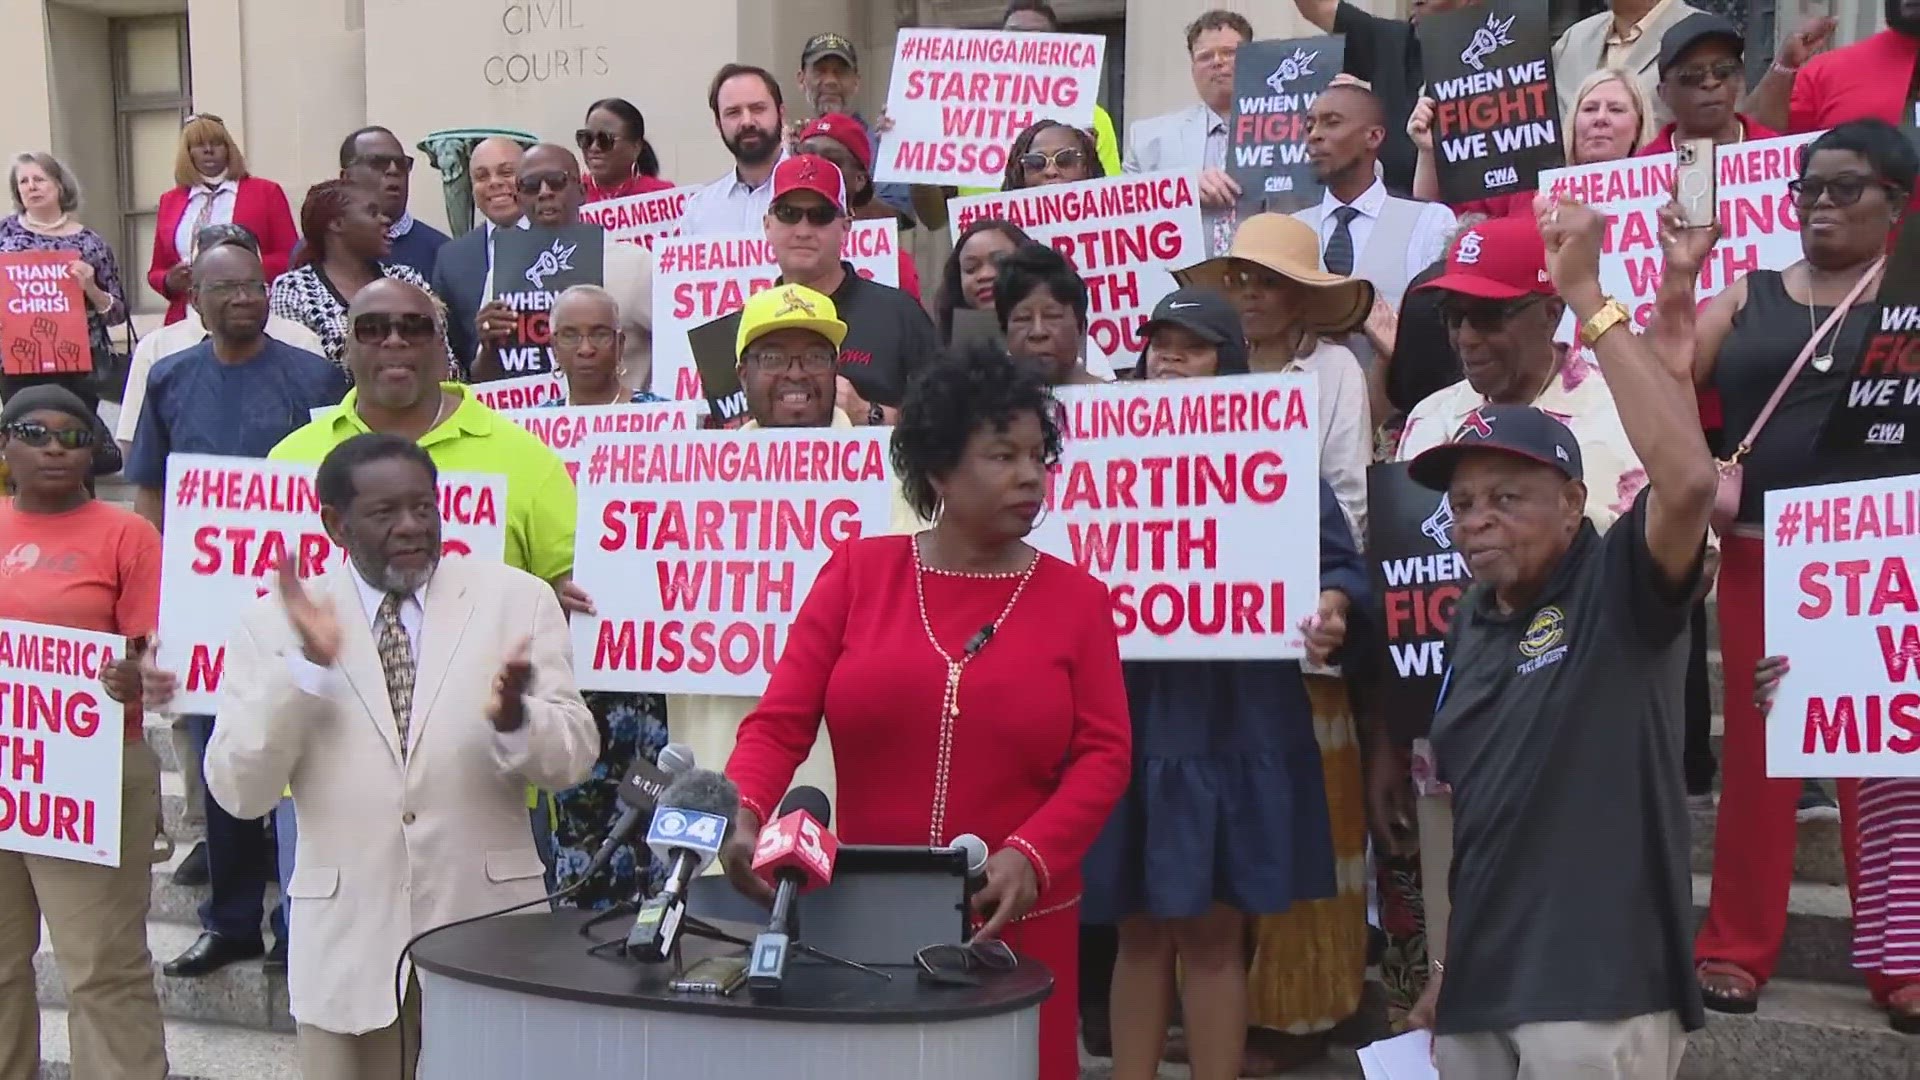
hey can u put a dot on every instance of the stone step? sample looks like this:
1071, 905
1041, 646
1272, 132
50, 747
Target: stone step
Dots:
1818, 945
180, 904
1803, 1030
159, 735
195, 1051
1816, 858
243, 994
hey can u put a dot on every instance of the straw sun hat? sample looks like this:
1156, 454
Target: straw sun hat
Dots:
1329, 303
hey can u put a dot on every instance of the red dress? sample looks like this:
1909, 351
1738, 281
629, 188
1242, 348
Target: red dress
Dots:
1036, 759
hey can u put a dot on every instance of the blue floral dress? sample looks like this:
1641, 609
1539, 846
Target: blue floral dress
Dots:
631, 726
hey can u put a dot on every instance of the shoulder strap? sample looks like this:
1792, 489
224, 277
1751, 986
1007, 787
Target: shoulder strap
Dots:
1839, 313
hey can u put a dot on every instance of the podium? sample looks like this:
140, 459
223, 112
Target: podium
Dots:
518, 997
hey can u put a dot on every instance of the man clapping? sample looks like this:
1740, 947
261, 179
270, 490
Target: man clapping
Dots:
365, 690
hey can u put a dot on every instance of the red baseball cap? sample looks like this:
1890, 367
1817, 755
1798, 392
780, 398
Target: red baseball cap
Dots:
846, 131
810, 172
1497, 259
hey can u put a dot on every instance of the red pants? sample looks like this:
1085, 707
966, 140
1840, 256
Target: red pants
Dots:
1054, 940
1755, 831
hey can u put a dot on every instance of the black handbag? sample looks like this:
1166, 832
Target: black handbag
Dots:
111, 365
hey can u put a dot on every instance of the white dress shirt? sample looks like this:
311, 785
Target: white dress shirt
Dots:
1426, 245
486, 288
222, 195
729, 205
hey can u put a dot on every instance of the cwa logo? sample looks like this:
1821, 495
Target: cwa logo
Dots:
1890, 433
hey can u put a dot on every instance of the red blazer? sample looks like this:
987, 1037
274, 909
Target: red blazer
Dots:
260, 205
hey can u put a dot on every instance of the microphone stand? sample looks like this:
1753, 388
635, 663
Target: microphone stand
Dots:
695, 927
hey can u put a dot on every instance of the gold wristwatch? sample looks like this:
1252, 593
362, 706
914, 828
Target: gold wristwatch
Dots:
1611, 314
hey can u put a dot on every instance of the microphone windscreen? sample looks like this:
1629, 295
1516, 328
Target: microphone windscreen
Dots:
707, 792
976, 850
675, 759
812, 800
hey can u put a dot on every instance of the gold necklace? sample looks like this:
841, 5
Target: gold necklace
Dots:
950, 697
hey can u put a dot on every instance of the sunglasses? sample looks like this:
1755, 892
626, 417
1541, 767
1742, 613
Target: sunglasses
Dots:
381, 163
1843, 189
532, 183
1241, 277
821, 214
1038, 160
1696, 76
602, 141
374, 328
1485, 316
36, 434
957, 965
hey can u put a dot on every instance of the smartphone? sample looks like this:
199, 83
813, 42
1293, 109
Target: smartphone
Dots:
1693, 182
714, 975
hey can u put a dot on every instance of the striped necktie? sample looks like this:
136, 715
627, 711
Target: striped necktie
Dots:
1339, 257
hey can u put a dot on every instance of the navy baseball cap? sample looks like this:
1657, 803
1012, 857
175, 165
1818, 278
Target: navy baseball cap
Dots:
1694, 29
1520, 430
1210, 316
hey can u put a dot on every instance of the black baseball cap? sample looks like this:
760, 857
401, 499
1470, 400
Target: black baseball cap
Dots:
1520, 430
1694, 29
1207, 313
828, 44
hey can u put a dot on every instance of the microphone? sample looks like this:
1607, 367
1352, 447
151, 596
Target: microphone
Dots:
639, 793
796, 853
976, 852
695, 812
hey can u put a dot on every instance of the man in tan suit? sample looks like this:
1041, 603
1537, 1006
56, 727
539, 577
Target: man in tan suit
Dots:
408, 702
1625, 36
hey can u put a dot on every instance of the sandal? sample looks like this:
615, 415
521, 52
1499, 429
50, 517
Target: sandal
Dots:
1727, 988
1903, 1009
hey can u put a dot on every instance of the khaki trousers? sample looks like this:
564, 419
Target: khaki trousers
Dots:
1647, 1047
370, 1055
97, 918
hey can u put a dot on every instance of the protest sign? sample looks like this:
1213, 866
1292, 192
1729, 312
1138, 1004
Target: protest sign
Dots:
1419, 576
958, 99
640, 219
697, 279
1842, 608
567, 430
1197, 502
1496, 119
1274, 84
699, 547
62, 746
525, 392
1759, 227
43, 315
1881, 410
1125, 234
531, 268
230, 522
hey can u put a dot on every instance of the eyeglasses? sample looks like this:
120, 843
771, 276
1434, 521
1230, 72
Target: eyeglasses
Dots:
37, 434
812, 361
532, 183
949, 961
602, 141
381, 163
1695, 76
1067, 158
1842, 189
819, 214
1485, 316
374, 328
602, 337
221, 290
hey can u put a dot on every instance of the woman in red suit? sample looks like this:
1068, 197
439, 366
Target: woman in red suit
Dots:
969, 682
214, 189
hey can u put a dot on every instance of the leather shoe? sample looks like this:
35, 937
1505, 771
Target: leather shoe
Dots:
211, 953
192, 871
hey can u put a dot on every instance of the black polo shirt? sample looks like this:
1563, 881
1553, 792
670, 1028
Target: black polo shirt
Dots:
1561, 730
1386, 54
889, 337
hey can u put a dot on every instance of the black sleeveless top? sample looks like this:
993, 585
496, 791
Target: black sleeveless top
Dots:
1767, 336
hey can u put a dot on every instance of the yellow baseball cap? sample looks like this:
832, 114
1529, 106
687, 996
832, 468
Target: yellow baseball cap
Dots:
786, 307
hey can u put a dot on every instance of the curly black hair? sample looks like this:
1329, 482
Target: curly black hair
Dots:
1016, 174
952, 398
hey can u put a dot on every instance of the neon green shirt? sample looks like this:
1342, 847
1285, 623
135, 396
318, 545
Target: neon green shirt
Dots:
475, 439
